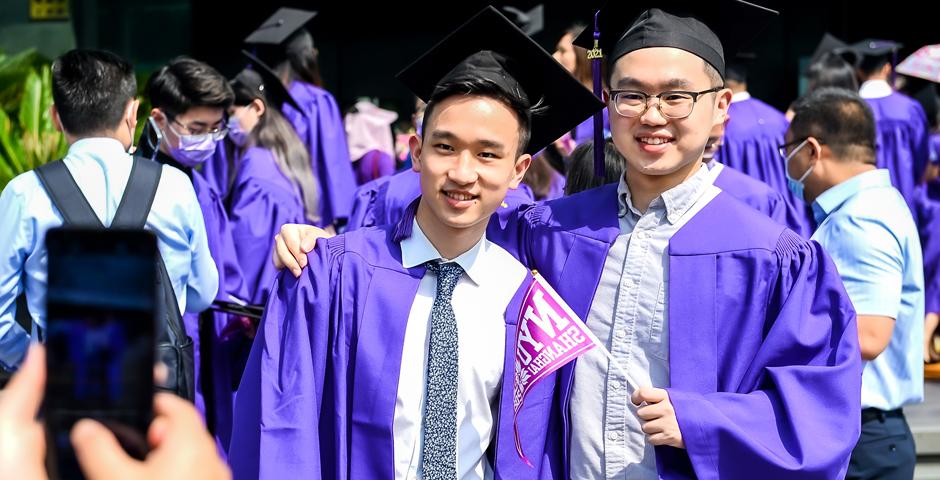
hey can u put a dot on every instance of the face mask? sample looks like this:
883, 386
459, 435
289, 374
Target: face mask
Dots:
235, 133
796, 186
193, 150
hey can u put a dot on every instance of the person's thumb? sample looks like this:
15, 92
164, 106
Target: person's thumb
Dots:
99, 453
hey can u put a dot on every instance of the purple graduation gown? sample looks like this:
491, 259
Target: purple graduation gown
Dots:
585, 131
374, 164
934, 155
765, 368
215, 170
317, 398
262, 199
927, 212
383, 201
752, 135
902, 144
320, 128
762, 198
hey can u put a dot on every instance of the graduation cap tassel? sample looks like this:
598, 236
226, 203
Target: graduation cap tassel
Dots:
595, 55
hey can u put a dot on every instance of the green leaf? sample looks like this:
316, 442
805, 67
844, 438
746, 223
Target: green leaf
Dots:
31, 104
10, 144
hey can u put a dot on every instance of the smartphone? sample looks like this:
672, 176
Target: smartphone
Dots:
101, 306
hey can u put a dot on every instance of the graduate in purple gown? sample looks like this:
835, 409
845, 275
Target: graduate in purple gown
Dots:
283, 43
927, 212
752, 135
900, 122
335, 386
272, 182
756, 361
183, 132
752, 192
383, 201
738, 331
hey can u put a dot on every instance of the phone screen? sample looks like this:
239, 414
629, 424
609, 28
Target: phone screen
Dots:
101, 314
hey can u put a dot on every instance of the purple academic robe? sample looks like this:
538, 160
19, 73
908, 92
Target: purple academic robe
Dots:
752, 135
935, 148
317, 399
902, 144
927, 212
374, 164
383, 201
262, 199
765, 368
217, 405
215, 170
320, 127
585, 131
762, 198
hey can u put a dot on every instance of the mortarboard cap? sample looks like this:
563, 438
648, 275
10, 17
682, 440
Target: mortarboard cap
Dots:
831, 43
280, 33
261, 79
876, 48
279, 27
705, 29
491, 47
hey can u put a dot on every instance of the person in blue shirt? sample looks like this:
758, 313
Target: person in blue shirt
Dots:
95, 106
867, 229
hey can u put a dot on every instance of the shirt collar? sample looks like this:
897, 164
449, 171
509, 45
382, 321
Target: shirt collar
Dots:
740, 96
676, 201
835, 197
417, 250
874, 89
97, 145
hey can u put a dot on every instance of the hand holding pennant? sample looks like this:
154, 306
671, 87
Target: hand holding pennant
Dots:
548, 336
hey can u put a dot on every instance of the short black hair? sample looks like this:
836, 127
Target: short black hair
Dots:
580, 163
871, 64
485, 88
91, 89
185, 83
838, 118
831, 70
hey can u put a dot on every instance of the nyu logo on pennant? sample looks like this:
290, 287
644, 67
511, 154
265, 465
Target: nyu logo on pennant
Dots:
548, 336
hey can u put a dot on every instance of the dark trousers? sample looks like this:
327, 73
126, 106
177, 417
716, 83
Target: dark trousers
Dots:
885, 450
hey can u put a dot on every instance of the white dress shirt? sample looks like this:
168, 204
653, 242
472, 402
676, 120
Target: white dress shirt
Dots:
491, 277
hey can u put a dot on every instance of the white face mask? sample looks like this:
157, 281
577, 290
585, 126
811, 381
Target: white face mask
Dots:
796, 186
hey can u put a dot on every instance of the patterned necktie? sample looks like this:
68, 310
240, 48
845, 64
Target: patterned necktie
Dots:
439, 455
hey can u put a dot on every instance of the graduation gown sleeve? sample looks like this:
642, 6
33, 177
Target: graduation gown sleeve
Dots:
777, 393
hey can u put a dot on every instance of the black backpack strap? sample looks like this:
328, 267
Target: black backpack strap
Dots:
66, 196
138, 195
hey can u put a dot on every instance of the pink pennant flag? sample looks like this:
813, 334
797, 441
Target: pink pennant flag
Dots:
548, 336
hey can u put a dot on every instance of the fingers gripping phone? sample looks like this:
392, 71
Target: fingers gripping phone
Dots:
100, 336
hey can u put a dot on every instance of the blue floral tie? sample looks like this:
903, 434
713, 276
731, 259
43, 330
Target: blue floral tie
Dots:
439, 455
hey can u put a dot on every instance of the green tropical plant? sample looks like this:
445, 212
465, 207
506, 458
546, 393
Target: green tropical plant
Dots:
28, 137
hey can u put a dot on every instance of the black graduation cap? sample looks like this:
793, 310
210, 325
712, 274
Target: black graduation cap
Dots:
831, 43
280, 33
737, 66
280, 26
491, 47
876, 48
705, 29
260, 78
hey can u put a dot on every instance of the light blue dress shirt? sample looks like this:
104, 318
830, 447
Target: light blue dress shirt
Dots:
867, 229
101, 168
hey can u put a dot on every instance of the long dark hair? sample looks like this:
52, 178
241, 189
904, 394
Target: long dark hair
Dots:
301, 63
276, 134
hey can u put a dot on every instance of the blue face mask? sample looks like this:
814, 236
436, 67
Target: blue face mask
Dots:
235, 133
796, 186
193, 150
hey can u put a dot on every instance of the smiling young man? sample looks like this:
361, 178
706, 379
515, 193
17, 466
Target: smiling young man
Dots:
392, 356
739, 331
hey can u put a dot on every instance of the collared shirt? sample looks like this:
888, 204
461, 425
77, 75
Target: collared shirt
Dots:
740, 97
875, 89
629, 315
491, 277
867, 229
101, 169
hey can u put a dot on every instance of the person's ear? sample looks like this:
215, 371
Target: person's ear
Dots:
522, 165
56, 121
415, 143
258, 105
